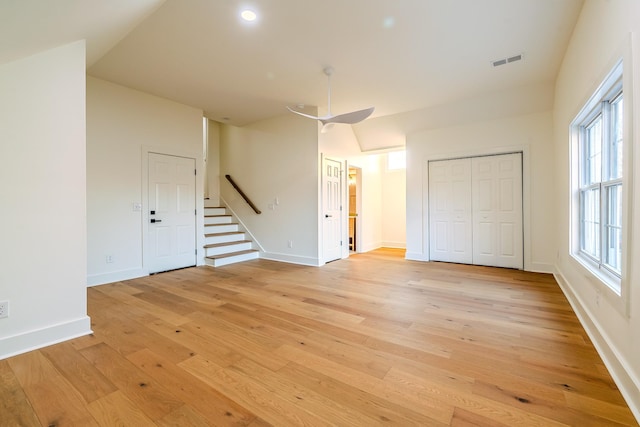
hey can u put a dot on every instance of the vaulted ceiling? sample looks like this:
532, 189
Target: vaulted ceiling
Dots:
399, 56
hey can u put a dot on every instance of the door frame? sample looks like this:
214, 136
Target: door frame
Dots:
344, 225
358, 221
199, 195
526, 194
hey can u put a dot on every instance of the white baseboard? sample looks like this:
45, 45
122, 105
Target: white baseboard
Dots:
54, 334
115, 276
394, 245
540, 267
291, 259
616, 364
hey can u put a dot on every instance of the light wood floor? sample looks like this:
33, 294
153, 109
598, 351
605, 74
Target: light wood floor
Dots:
372, 340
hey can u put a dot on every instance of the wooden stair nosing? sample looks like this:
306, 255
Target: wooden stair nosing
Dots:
219, 245
220, 225
217, 216
226, 233
230, 254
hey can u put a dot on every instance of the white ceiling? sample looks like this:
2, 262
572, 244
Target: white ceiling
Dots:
396, 55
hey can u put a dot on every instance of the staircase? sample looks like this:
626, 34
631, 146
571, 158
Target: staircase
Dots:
224, 242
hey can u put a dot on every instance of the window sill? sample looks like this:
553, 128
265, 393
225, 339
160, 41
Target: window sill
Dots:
609, 280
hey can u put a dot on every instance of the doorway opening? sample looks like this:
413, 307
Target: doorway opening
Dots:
355, 208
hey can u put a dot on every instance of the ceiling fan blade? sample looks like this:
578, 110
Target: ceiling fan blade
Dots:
348, 118
304, 115
329, 119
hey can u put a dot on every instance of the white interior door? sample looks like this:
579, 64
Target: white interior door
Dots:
450, 227
172, 219
331, 209
497, 210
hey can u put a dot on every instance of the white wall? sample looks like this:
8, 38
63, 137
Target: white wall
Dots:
531, 134
275, 159
122, 126
394, 206
213, 163
371, 224
602, 36
42, 182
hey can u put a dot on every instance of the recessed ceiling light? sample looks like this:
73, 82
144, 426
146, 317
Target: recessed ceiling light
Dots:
248, 15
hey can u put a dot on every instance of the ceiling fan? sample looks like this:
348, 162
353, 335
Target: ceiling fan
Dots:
329, 119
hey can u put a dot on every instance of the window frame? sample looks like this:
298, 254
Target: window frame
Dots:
396, 160
599, 107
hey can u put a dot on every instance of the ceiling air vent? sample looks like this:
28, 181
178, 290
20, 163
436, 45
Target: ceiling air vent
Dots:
509, 60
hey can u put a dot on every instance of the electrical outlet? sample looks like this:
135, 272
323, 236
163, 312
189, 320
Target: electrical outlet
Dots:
4, 309
109, 259
598, 296
290, 244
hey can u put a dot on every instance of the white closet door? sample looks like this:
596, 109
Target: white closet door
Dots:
497, 210
450, 219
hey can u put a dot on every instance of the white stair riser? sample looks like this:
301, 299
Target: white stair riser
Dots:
217, 220
215, 211
243, 246
223, 239
224, 228
231, 260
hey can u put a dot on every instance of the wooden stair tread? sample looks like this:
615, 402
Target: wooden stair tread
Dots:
219, 245
248, 251
221, 225
217, 216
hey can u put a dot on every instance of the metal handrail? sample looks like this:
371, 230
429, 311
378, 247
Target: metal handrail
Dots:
244, 196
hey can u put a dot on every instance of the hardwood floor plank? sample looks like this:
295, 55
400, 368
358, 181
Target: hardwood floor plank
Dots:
116, 409
184, 417
88, 380
369, 340
488, 408
381, 409
150, 396
302, 397
15, 409
249, 393
383, 389
613, 412
54, 400
210, 404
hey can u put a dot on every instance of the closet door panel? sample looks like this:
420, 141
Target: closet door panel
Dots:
497, 210
450, 211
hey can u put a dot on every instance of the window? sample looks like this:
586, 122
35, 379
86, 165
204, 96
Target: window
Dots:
396, 160
599, 161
